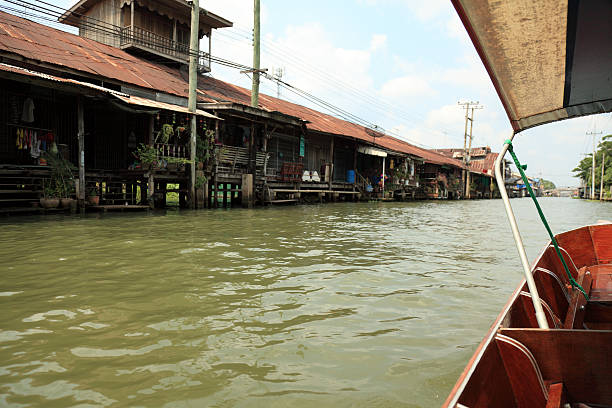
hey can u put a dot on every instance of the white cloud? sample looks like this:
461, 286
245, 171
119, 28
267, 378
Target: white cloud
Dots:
455, 29
407, 89
301, 49
448, 116
239, 12
424, 10
429, 9
378, 42
421, 136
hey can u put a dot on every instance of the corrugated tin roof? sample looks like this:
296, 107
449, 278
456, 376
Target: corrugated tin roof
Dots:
136, 100
129, 99
38, 42
478, 163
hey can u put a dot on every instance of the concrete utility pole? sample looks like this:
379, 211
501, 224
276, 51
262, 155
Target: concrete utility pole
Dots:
594, 163
467, 151
256, 54
194, 51
603, 166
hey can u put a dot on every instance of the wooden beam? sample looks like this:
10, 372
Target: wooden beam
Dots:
132, 18
331, 161
574, 318
81, 137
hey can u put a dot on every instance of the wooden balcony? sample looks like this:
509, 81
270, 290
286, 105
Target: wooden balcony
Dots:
136, 38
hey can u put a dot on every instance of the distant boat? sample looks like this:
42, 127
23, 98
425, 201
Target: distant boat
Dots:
551, 345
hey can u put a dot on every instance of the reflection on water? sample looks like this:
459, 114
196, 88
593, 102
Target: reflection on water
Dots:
376, 304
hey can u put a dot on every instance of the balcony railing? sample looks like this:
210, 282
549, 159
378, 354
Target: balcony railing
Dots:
141, 38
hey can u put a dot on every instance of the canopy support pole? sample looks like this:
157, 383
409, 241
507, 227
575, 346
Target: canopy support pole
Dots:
533, 290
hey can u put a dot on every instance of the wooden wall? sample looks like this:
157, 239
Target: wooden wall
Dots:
107, 132
53, 110
317, 152
108, 12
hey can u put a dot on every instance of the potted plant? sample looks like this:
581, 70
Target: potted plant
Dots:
50, 198
60, 186
93, 198
148, 156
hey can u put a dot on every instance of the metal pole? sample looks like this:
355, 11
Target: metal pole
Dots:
256, 54
535, 297
194, 51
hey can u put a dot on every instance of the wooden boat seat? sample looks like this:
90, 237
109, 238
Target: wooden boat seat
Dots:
523, 372
522, 313
579, 359
552, 290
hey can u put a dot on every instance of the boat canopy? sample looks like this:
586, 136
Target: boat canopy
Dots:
548, 59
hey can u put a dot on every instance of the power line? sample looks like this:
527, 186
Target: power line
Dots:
113, 30
377, 104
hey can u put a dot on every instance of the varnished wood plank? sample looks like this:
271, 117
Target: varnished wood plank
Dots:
523, 373
580, 359
602, 283
556, 396
579, 245
602, 242
576, 310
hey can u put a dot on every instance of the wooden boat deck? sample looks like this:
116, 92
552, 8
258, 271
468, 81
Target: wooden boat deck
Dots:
601, 290
568, 365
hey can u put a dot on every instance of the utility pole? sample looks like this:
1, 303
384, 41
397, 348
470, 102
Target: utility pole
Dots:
256, 55
194, 51
594, 163
603, 166
467, 151
278, 73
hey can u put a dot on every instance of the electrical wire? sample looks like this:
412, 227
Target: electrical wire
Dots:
333, 83
89, 23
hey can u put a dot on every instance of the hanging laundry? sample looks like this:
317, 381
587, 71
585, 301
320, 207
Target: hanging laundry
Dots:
28, 111
35, 149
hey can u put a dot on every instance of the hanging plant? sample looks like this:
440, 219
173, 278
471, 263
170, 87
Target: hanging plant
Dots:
206, 149
164, 135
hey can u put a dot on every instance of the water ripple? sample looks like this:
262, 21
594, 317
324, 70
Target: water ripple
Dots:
369, 304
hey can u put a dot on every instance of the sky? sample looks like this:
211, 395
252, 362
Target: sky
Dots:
400, 64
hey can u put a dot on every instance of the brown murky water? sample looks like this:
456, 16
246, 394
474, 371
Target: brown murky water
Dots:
343, 305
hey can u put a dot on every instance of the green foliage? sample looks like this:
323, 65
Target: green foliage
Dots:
200, 181
147, 155
206, 150
584, 168
61, 183
164, 135
176, 160
548, 185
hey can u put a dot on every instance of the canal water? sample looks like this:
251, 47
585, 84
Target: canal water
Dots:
344, 305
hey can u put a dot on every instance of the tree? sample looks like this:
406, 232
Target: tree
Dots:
584, 168
548, 185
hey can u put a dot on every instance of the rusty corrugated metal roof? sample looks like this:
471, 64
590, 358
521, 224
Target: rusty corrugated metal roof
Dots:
129, 99
482, 160
37, 42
